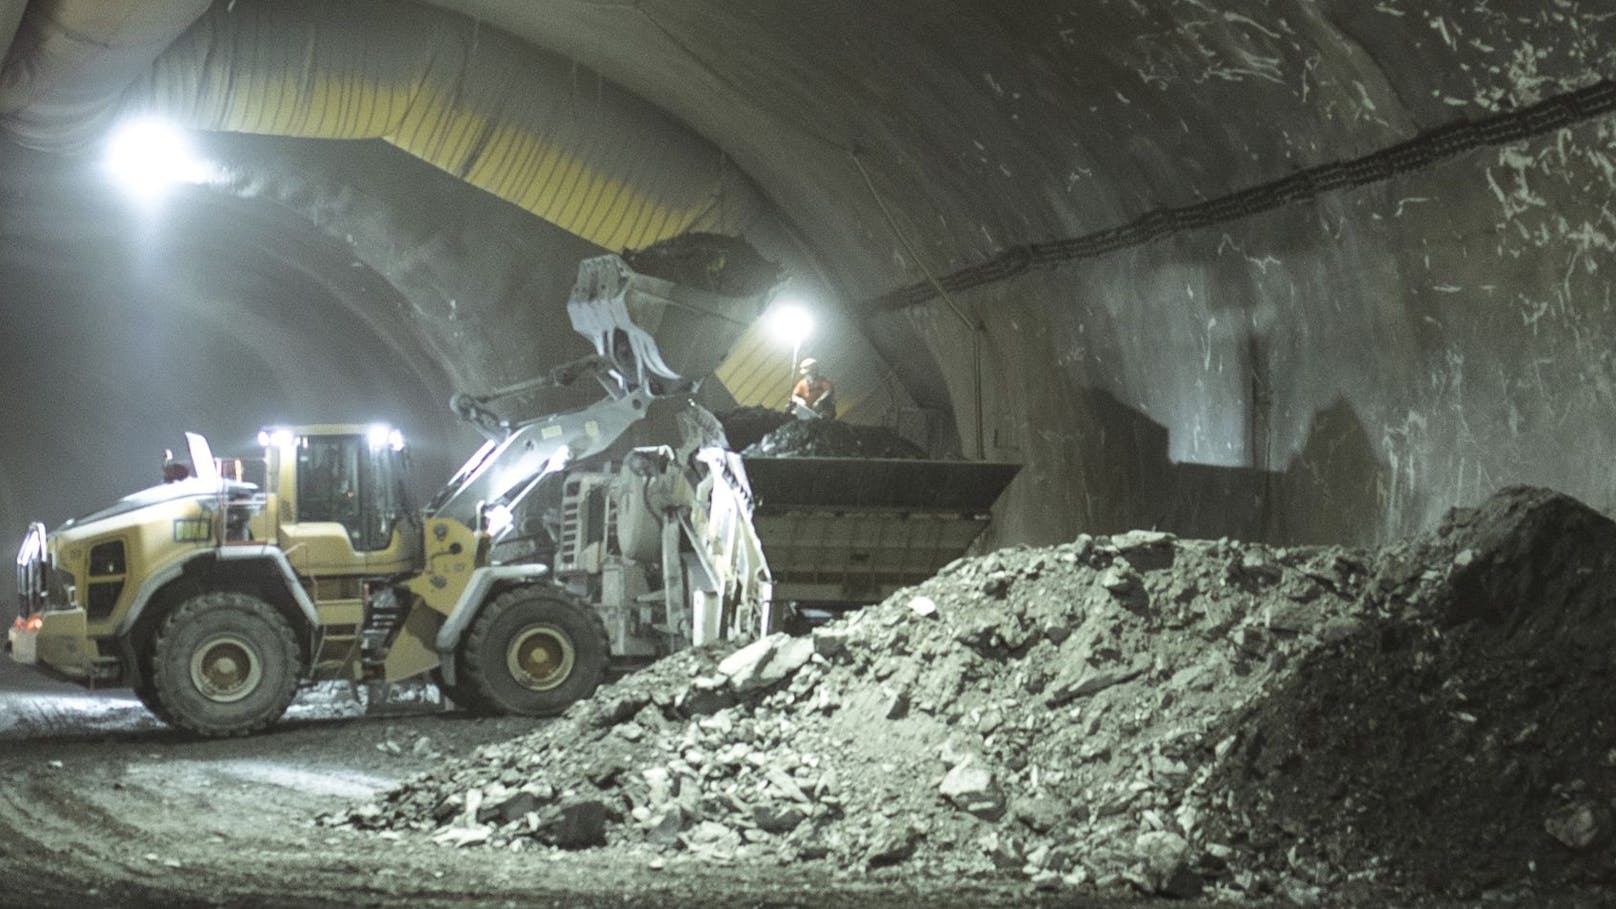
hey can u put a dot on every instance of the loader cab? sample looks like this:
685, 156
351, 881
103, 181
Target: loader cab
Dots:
343, 498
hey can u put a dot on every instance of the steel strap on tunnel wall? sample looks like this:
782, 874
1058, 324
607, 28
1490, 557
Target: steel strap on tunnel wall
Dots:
1422, 151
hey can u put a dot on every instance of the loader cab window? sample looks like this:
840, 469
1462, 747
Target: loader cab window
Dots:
349, 480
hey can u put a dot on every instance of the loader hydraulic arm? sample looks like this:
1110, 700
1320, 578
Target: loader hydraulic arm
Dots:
505, 470
653, 339
477, 409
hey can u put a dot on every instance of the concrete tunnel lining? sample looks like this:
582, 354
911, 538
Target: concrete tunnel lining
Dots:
1097, 120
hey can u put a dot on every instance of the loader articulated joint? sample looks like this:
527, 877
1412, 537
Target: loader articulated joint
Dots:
472, 410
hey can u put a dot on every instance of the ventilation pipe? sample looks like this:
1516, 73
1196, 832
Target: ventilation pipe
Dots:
529, 126
533, 128
70, 60
10, 16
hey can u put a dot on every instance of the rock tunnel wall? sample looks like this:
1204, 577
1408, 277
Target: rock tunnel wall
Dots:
1343, 370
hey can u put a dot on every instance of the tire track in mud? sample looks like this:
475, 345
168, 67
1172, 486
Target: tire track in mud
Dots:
163, 820
46, 835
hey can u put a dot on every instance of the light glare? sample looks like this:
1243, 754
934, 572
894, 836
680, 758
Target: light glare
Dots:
277, 438
791, 323
148, 155
498, 519
381, 435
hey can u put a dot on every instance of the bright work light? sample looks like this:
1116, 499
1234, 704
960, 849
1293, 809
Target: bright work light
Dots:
384, 436
148, 155
791, 323
276, 438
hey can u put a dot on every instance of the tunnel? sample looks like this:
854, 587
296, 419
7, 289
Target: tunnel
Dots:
1292, 273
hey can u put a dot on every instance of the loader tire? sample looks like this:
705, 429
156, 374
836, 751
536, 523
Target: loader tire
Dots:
147, 692
461, 695
533, 651
224, 664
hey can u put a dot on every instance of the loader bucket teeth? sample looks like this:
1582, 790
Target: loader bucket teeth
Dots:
663, 327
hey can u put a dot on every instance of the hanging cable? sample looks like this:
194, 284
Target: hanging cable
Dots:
976, 328
1422, 151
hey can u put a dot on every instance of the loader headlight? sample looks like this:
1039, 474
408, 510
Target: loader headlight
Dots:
276, 438
383, 436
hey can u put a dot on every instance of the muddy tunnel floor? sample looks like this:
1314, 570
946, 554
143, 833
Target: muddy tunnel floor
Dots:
1129, 720
101, 805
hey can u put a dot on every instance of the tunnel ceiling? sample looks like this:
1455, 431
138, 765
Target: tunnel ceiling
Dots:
990, 124
899, 140
873, 146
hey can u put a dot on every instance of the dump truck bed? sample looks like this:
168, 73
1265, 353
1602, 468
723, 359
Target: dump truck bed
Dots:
846, 532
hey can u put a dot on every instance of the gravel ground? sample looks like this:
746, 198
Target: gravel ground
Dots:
101, 805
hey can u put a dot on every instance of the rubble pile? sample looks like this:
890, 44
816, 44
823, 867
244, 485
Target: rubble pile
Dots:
832, 439
746, 426
717, 263
1130, 712
1468, 743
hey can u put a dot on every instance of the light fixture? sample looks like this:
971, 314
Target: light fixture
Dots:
791, 323
383, 436
147, 155
276, 438
497, 519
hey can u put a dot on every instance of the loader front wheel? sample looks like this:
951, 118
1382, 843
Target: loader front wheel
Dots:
534, 651
223, 664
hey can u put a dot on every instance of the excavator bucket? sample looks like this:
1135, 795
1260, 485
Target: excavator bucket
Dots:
846, 532
673, 310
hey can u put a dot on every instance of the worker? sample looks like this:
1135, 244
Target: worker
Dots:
813, 391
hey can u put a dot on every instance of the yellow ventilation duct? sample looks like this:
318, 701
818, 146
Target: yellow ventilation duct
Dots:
10, 16
70, 59
530, 127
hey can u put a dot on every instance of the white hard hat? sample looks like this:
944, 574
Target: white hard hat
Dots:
807, 364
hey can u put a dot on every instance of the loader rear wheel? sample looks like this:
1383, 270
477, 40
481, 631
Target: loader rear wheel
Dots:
534, 651
223, 664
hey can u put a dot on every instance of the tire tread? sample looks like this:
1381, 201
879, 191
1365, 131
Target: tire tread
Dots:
161, 675
476, 683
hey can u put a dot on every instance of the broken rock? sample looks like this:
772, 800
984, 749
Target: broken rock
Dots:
767, 662
579, 825
777, 818
1165, 856
889, 846
1040, 814
973, 789
1091, 682
1578, 824
712, 838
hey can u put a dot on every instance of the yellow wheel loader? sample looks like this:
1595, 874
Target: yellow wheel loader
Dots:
215, 598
